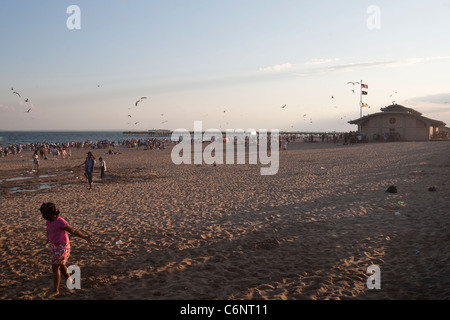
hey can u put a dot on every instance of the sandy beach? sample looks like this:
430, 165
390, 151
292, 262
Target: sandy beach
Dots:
175, 232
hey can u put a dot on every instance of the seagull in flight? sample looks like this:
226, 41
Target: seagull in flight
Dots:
140, 100
283, 106
16, 93
28, 111
353, 83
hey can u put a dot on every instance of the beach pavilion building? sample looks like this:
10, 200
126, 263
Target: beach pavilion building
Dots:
398, 123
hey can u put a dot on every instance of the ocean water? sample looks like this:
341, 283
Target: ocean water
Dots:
24, 137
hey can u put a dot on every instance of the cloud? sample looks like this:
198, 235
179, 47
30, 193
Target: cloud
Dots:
277, 67
314, 66
410, 61
321, 61
311, 67
338, 67
440, 98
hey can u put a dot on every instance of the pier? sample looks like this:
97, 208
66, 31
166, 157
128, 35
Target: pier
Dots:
167, 133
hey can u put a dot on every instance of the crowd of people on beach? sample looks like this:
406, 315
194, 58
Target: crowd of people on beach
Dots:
345, 138
147, 144
62, 151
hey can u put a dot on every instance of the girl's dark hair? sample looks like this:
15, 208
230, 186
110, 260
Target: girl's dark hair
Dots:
49, 208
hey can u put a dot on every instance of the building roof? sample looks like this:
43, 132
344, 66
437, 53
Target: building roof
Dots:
396, 109
400, 108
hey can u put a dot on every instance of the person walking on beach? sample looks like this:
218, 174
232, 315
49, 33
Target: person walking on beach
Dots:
35, 162
89, 168
102, 169
57, 229
285, 143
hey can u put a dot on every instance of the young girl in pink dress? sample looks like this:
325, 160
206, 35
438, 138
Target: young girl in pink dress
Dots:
57, 229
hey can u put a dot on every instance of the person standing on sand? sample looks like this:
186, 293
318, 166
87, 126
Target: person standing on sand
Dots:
285, 143
57, 229
89, 168
35, 161
102, 169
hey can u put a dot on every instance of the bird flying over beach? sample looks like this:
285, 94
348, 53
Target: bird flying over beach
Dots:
140, 100
283, 107
16, 93
28, 111
353, 83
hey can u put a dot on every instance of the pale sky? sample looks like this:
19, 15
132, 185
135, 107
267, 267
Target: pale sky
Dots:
195, 59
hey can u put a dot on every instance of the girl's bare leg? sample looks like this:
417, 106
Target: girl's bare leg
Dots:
57, 270
64, 271
56, 280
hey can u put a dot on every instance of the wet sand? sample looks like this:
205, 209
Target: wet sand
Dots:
226, 232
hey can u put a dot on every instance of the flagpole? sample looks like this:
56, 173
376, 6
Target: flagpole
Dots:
360, 100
